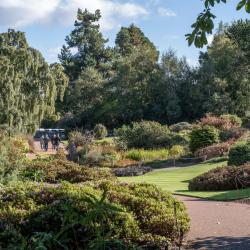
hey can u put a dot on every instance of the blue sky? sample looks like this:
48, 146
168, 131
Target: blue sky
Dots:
165, 22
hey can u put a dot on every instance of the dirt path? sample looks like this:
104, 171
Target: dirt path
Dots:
218, 225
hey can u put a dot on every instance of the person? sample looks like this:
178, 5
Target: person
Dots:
53, 141
46, 142
42, 142
57, 140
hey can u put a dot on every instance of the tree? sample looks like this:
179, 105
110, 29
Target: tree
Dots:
86, 61
224, 77
204, 24
29, 87
175, 152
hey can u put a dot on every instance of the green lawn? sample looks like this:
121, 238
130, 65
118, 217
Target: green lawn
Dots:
176, 181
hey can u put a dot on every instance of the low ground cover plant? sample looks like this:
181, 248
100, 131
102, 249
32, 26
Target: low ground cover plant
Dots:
201, 137
222, 178
239, 153
106, 216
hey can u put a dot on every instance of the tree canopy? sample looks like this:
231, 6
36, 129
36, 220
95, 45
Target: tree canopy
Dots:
29, 87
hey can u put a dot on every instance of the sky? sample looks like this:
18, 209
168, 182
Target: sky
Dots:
165, 22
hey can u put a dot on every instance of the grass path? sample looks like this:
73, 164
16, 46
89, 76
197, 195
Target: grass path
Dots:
176, 181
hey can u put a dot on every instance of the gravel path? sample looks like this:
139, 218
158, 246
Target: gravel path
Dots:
218, 225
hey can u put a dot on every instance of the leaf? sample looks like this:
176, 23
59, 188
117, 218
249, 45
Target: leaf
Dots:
241, 4
247, 6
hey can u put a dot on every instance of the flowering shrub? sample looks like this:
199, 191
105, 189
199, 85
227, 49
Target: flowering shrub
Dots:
223, 122
222, 178
215, 150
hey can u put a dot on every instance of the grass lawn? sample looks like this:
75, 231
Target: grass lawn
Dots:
176, 181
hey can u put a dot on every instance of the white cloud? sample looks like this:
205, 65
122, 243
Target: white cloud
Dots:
52, 54
166, 12
192, 62
18, 13
210, 39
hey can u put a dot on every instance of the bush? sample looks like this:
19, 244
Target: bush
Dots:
105, 216
145, 134
222, 178
239, 154
181, 126
131, 171
223, 122
60, 170
232, 134
201, 137
100, 131
213, 151
146, 155
81, 139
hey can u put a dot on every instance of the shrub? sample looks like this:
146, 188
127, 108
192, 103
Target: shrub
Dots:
223, 122
83, 217
213, 151
176, 151
81, 139
100, 131
145, 134
239, 154
146, 155
131, 171
60, 170
233, 134
180, 126
201, 137
222, 178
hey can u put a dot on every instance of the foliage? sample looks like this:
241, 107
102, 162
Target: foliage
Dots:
55, 171
145, 134
100, 131
146, 155
110, 214
239, 154
180, 126
29, 87
213, 151
176, 151
233, 134
201, 137
204, 24
222, 178
223, 122
131, 171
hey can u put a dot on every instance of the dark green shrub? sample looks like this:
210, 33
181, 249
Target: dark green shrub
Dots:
109, 214
100, 131
222, 178
201, 137
145, 134
239, 154
60, 170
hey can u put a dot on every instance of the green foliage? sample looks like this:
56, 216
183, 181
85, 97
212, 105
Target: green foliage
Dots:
176, 151
55, 171
201, 137
146, 155
100, 131
178, 127
71, 216
222, 178
239, 154
145, 134
29, 87
204, 24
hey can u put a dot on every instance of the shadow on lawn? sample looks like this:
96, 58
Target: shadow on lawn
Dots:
225, 243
